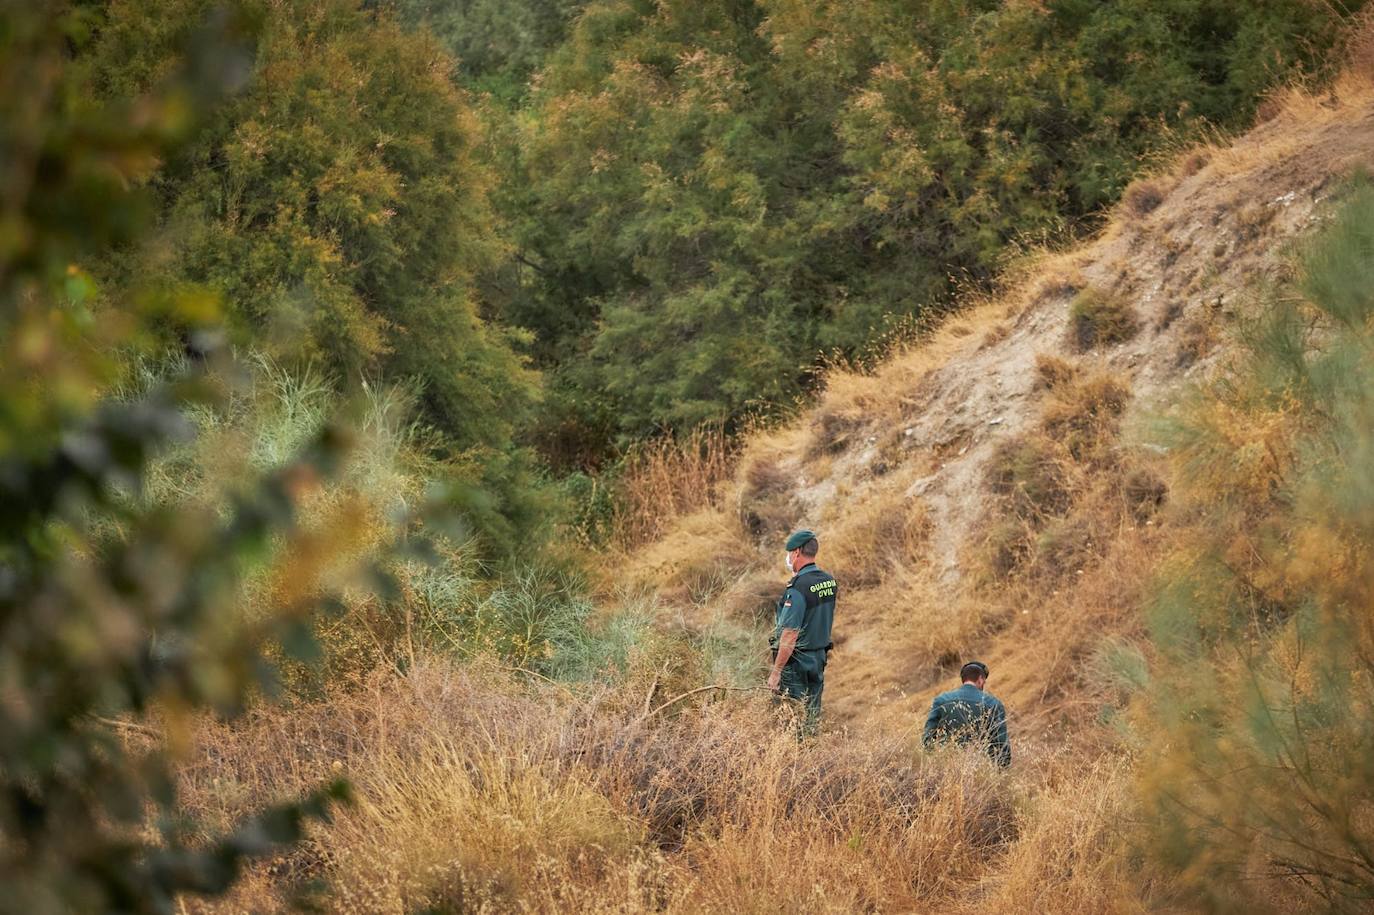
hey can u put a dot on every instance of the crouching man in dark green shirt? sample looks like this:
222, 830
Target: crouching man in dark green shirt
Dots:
801, 633
970, 714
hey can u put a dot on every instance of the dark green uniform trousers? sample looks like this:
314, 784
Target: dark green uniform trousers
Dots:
803, 679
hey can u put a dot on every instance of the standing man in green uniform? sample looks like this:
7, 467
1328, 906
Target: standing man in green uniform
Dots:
801, 635
970, 715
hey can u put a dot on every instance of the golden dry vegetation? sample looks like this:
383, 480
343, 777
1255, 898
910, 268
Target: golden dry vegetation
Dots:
986, 492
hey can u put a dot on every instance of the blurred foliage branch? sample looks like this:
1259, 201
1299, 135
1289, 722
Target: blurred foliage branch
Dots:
112, 606
1264, 692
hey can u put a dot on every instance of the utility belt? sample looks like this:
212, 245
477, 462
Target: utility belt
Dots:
796, 650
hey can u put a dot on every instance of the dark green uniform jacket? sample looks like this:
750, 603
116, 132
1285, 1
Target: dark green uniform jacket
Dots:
808, 605
968, 715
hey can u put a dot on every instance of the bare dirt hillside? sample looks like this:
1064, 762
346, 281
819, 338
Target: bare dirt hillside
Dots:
898, 470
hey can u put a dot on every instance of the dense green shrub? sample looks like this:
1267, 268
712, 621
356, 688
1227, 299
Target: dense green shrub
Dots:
336, 204
112, 607
707, 198
338, 207
497, 44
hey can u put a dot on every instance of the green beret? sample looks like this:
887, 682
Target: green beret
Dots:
799, 540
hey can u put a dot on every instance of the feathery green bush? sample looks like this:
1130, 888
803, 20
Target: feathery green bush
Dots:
1264, 699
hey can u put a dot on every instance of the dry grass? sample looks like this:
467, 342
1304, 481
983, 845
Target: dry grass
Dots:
1052, 372
1143, 197
476, 794
667, 478
1074, 854
765, 500
1098, 318
877, 534
1084, 414
707, 551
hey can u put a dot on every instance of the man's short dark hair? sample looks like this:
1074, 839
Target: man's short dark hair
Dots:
810, 548
972, 671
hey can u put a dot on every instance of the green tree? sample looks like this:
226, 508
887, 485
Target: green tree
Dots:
499, 44
110, 607
336, 204
708, 198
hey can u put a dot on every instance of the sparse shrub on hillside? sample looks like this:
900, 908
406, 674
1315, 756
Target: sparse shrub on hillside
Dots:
1264, 701
1006, 546
1059, 284
1052, 372
1143, 197
1098, 318
1193, 163
1066, 546
995, 335
1199, 337
1253, 219
766, 507
1145, 492
1083, 416
1029, 473
1171, 312
832, 430
874, 536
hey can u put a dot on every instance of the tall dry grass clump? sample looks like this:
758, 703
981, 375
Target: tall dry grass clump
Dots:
667, 478
474, 791
1077, 853
1099, 318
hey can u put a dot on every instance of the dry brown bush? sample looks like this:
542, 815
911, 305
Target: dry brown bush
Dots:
1199, 337
880, 533
831, 430
752, 597
1029, 472
474, 792
1098, 318
1075, 850
1052, 372
1144, 492
996, 335
1084, 415
1143, 197
1193, 163
666, 478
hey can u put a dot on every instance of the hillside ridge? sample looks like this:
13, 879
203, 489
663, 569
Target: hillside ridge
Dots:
905, 450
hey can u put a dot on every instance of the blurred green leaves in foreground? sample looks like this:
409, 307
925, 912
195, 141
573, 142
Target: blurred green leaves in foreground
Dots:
112, 604
1262, 770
